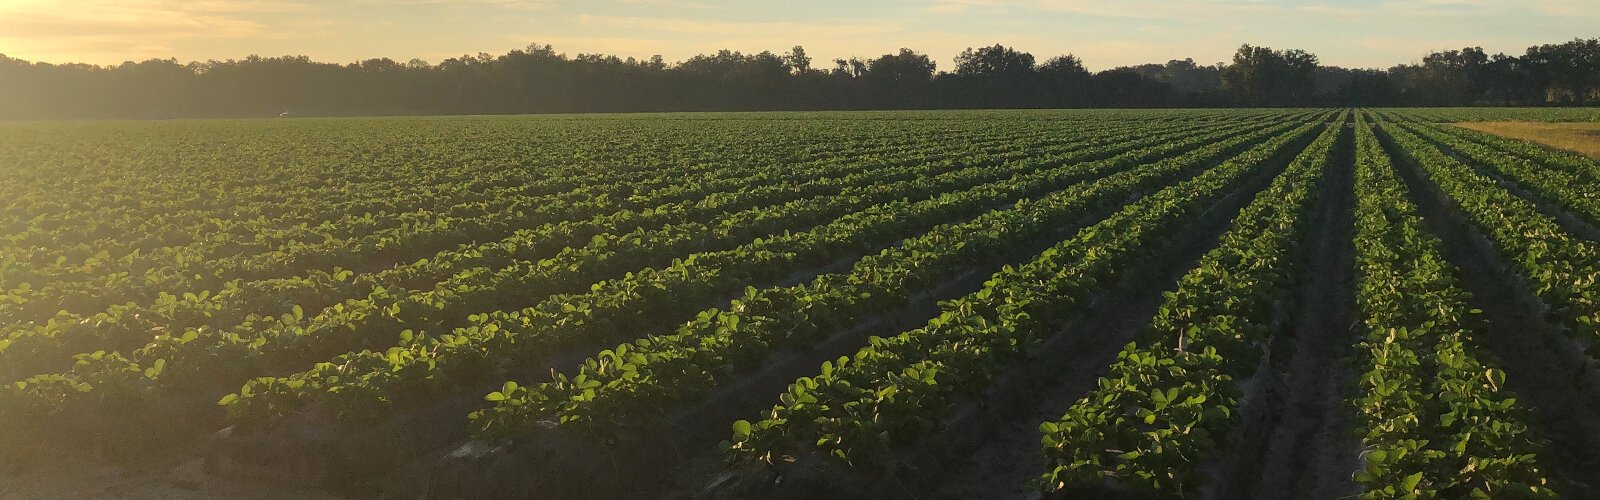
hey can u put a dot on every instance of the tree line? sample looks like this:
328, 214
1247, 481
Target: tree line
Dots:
538, 79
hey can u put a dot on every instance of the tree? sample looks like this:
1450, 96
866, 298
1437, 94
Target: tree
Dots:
1567, 72
1365, 87
1261, 76
797, 60
852, 67
1449, 77
901, 80
1125, 88
1507, 81
996, 76
998, 61
1063, 65
1184, 75
1066, 81
539, 79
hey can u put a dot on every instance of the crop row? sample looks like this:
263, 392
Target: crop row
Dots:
363, 196
259, 306
1481, 114
1435, 420
898, 389
275, 173
532, 334
205, 361
99, 282
636, 381
1563, 270
178, 269
1578, 166
184, 173
1171, 400
1556, 186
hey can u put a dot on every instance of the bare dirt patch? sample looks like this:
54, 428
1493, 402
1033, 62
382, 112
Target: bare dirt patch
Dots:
66, 479
1579, 137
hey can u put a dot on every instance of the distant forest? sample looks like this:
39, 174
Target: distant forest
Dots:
539, 79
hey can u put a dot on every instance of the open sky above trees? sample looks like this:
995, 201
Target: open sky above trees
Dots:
1104, 34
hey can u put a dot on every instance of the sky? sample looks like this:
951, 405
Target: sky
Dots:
1105, 34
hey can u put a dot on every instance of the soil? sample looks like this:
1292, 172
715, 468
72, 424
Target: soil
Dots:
66, 479
1570, 137
1306, 449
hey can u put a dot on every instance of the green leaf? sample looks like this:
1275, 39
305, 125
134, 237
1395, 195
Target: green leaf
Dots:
1410, 482
741, 430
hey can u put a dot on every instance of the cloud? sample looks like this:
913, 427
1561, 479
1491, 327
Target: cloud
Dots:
816, 29
135, 29
1147, 9
678, 38
525, 5
90, 8
666, 4
963, 6
110, 31
1568, 8
609, 45
1190, 10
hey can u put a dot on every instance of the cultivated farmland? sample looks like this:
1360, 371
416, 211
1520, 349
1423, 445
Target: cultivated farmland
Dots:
1268, 303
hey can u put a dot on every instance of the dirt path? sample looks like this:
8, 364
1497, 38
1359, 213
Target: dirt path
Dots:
1304, 449
65, 479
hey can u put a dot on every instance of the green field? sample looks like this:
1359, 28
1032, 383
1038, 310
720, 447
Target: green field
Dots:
1261, 303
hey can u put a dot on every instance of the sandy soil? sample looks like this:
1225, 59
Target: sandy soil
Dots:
1580, 137
66, 480
1308, 450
